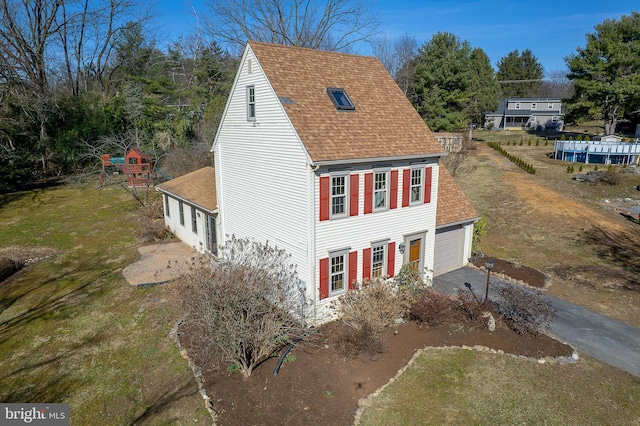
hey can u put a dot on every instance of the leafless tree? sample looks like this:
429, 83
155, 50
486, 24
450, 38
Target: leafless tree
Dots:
454, 161
556, 85
318, 24
245, 309
398, 57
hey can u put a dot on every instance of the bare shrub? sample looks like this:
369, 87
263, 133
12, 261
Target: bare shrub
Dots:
246, 308
150, 221
526, 310
431, 308
179, 161
356, 341
469, 309
372, 307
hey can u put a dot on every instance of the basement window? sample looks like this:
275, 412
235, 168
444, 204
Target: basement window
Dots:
340, 99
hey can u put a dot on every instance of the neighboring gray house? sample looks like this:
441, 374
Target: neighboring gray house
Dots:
527, 113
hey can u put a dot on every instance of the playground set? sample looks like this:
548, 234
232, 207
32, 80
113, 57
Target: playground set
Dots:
137, 166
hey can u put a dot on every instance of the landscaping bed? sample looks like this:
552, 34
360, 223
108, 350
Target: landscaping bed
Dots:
320, 385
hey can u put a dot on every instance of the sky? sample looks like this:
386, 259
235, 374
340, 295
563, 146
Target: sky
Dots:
551, 29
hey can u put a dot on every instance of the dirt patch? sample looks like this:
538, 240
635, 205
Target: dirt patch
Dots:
320, 386
14, 258
517, 272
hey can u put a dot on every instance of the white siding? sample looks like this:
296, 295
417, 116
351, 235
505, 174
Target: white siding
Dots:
358, 232
185, 232
262, 171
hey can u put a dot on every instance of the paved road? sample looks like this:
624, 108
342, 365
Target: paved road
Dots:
599, 336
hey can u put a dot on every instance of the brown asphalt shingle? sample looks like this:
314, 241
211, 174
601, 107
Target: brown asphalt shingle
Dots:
384, 123
453, 205
197, 187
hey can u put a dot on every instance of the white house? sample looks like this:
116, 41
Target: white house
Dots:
321, 154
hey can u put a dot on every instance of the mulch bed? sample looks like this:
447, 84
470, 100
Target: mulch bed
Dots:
322, 386
516, 271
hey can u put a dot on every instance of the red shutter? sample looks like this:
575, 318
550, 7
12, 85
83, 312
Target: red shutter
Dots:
393, 190
427, 184
324, 198
353, 269
391, 259
366, 264
406, 186
354, 187
368, 193
324, 278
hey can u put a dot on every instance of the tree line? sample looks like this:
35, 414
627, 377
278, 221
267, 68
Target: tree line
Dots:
80, 78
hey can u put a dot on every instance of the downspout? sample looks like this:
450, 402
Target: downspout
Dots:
312, 240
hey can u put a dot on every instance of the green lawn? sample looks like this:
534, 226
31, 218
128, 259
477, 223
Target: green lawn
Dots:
72, 330
462, 387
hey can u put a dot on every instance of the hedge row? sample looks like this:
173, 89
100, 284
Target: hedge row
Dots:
515, 160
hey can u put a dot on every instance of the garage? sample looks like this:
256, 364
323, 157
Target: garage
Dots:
449, 246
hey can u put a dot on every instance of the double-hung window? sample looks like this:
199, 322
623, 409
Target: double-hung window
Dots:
166, 205
181, 205
416, 185
534, 105
339, 193
338, 273
550, 105
380, 190
251, 103
194, 220
378, 260
517, 105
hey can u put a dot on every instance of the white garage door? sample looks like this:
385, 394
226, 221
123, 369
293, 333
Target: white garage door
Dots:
448, 249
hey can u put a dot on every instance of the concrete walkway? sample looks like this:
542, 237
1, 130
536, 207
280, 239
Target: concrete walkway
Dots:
609, 340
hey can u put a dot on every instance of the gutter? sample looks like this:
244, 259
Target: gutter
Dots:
377, 159
460, 222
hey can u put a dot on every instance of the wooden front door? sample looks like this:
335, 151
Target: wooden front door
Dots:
415, 253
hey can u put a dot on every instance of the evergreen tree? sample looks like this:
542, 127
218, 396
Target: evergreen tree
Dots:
605, 72
453, 84
516, 70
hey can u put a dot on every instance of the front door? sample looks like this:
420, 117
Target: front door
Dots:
414, 252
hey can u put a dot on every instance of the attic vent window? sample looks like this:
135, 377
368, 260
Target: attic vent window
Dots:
340, 99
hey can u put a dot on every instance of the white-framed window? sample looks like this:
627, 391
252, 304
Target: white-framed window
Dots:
251, 103
339, 195
534, 105
378, 260
249, 66
550, 105
380, 190
338, 269
532, 119
554, 119
166, 205
181, 208
194, 221
517, 105
416, 185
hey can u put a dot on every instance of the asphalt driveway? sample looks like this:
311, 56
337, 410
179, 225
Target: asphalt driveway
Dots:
609, 340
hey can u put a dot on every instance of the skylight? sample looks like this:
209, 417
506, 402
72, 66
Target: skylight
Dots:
340, 99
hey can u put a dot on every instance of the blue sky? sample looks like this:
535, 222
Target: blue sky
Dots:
551, 29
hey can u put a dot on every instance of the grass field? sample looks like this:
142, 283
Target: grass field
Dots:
72, 330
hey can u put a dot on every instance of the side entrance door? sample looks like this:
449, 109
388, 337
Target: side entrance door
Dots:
210, 233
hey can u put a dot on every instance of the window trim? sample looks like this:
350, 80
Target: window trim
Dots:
346, 195
517, 106
194, 221
387, 189
550, 105
332, 91
251, 103
532, 119
181, 209
534, 105
421, 186
344, 254
167, 211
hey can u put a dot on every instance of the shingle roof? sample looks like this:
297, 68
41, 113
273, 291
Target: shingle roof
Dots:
384, 123
197, 187
453, 205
